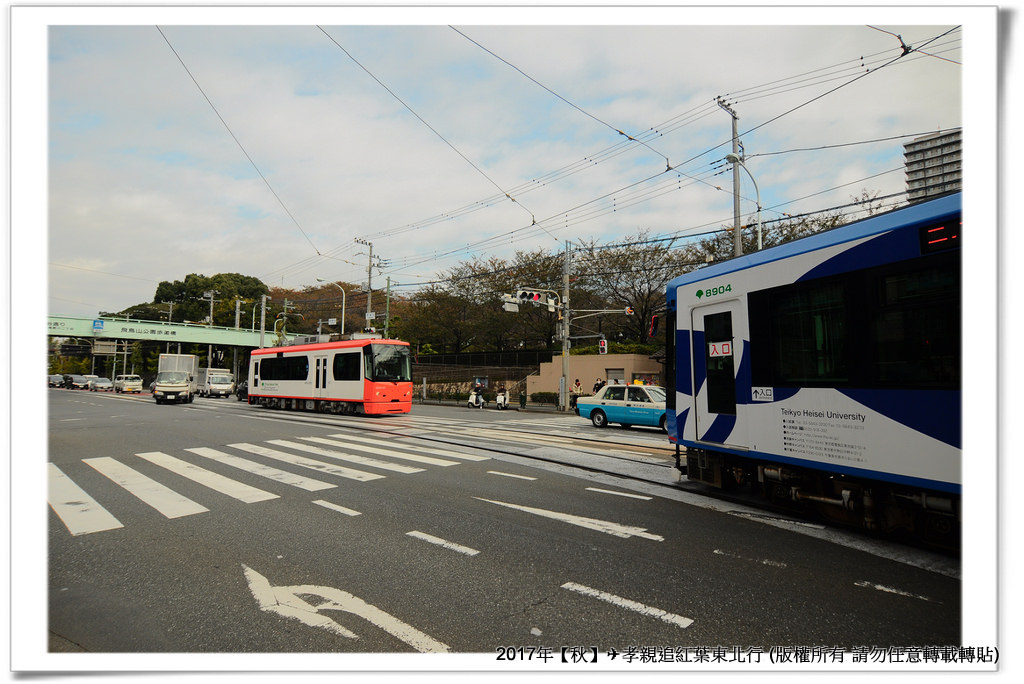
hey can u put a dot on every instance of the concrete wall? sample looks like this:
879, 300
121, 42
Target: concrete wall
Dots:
624, 367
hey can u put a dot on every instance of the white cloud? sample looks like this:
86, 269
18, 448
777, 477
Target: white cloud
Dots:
140, 165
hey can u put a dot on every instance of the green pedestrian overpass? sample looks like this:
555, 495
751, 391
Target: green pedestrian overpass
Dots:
117, 329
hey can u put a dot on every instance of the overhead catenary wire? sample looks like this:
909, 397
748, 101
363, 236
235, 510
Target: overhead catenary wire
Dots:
424, 122
238, 142
685, 118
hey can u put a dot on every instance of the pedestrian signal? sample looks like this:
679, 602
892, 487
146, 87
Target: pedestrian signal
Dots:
602, 346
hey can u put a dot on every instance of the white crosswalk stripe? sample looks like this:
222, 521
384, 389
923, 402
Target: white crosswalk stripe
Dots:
302, 461
349, 458
282, 476
149, 491
79, 512
427, 450
429, 460
215, 481
82, 514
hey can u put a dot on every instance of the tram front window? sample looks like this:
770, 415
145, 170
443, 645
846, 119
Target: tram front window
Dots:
388, 363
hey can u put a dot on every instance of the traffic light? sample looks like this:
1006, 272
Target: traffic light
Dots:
538, 298
602, 346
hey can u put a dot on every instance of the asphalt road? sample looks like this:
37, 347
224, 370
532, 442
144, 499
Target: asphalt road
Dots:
218, 527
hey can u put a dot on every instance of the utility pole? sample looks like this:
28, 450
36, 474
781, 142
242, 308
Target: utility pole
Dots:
387, 309
563, 390
369, 280
209, 351
263, 317
737, 236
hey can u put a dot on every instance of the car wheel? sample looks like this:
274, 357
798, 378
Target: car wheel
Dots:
663, 423
599, 419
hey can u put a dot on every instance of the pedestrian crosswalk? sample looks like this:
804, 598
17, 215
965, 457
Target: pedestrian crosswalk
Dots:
273, 463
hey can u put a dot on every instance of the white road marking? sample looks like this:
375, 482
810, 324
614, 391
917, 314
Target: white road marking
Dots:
342, 456
207, 478
891, 590
285, 601
608, 491
282, 476
149, 491
429, 460
671, 618
304, 462
336, 507
777, 564
425, 450
521, 477
79, 512
615, 529
451, 546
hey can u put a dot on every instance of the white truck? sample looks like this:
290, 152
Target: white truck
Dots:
215, 382
176, 378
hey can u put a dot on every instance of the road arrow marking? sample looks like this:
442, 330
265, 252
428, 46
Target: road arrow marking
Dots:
624, 531
285, 601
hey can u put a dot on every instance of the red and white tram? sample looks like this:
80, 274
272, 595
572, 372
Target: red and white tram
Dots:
371, 376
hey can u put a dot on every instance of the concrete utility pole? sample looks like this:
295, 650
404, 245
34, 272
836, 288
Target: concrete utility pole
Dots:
369, 280
563, 390
263, 318
737, 234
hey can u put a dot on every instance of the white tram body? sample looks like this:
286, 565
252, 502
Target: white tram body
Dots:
828, 367
371, 376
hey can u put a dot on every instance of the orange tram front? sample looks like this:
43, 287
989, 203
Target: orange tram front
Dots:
370, 376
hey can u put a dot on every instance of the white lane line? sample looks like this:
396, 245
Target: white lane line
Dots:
336, 507
520, 477
282, 476
671, 618
207, 478
615, 529
429, 460
342, 456
79, 512
304, 462
421, 449
891, 590
608, 491
149, 491
451, 546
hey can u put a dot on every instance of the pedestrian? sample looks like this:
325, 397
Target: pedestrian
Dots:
577, 390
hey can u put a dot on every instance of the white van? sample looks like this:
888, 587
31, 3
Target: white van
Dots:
127, 383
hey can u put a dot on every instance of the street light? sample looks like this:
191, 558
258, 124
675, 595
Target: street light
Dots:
733, 158
321, 280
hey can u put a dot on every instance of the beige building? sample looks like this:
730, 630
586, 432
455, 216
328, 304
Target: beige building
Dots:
623, 368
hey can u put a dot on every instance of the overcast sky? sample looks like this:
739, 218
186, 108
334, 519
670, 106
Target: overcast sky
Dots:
269, 150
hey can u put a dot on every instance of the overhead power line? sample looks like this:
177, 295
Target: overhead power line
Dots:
238, 142
423, 121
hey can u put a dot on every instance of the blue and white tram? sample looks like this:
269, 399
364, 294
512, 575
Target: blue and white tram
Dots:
826, 371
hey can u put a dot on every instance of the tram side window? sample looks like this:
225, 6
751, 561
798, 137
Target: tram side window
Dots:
800, 333
347, 365
916, 330
285, 368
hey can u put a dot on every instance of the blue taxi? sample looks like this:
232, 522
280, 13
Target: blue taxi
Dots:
625, 404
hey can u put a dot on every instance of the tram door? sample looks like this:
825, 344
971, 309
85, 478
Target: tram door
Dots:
320, 376
717, 351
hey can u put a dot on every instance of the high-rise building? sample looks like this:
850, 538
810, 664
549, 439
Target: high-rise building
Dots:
933, 165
